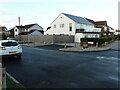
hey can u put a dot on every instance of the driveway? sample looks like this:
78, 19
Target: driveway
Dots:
45, 67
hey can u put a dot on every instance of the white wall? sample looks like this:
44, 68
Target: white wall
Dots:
16, 32
27, 30
78, 36
61, 19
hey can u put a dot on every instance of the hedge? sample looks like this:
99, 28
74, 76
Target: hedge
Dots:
100, 40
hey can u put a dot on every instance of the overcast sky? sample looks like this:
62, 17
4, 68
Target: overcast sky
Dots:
44, 12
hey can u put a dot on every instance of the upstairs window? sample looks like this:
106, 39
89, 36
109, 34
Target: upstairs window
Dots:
26, 30
62, 25
70, 26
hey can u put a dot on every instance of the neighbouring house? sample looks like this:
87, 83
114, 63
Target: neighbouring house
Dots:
103, 26
2, 30
117, 32
9, 32
31, 29
106, 30
73, 25
111, 31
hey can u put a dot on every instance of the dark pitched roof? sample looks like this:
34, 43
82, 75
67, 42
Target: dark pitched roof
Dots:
92, 21
28, 26
101, 23
78, 19
117, 30
97, 22
19, 26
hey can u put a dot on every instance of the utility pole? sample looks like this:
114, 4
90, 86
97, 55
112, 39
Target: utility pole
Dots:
19, 28
19, 23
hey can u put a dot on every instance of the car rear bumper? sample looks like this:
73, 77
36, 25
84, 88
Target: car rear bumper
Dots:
10, 55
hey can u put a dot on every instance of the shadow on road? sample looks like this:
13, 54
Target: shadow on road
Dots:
52, 47
10, 59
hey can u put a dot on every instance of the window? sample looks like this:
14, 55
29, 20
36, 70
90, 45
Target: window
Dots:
26, 30
96, 36
9, 44
54, 26
82, 26
70, 26
77, 26
16, 30
61, 25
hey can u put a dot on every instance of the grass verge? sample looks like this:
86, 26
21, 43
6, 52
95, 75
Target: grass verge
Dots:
10, 84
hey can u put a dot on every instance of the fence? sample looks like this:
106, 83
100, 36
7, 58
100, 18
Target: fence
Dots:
50, 39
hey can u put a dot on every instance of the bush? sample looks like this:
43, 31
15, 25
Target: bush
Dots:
118, 37
100, 40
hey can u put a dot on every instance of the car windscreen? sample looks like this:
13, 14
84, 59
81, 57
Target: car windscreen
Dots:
9, 44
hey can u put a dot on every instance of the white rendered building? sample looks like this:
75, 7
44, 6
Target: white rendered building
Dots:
73, 25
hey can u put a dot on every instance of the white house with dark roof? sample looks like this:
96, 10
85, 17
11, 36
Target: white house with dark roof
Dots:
73, 25
31, 29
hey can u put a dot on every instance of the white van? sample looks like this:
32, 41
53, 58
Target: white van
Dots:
10, 48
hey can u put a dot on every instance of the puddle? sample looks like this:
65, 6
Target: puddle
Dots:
100, 57
110, 58
113, 78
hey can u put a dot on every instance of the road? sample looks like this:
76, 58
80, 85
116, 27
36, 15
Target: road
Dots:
46, 67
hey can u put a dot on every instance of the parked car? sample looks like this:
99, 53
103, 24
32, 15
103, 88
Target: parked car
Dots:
10, 48
10, 38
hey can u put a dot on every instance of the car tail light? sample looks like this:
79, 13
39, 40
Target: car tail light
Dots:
2, 48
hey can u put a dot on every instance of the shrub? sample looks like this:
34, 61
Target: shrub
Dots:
100, 40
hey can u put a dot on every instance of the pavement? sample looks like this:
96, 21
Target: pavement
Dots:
70, 47
112, 45
81, 49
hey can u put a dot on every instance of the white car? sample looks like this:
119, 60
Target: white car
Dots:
10, 48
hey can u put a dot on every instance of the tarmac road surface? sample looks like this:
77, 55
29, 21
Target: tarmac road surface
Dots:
43, 67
